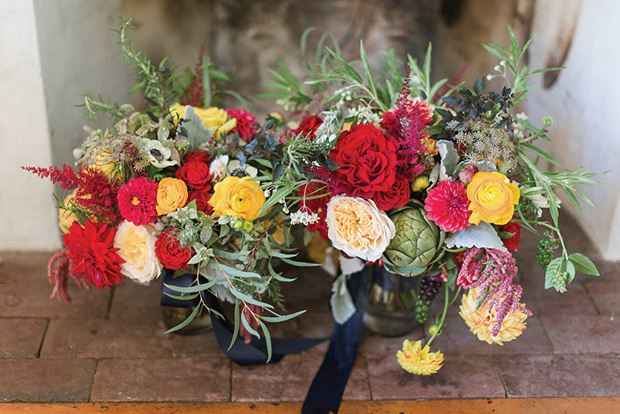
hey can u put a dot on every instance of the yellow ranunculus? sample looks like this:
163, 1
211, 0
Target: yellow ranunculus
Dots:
492, 197
213, 118
237, 197
171, 195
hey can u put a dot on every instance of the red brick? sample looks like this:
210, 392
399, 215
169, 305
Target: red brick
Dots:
46, 380
33, 301
106, 339
21, 338
290, 379
24, 266
132, 300
583, 334
606, 296
198, 379
457, 339
460, 377
559, 376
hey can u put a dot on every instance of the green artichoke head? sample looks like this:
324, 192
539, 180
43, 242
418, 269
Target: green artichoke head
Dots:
417, 243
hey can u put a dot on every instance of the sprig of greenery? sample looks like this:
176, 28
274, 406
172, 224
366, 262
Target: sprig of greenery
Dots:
156, 82
518, 72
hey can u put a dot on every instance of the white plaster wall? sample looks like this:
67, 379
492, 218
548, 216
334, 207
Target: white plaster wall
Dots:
27, 218
584, 105
52, 52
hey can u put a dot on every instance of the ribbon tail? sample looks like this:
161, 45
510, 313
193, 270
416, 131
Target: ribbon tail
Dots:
325, 394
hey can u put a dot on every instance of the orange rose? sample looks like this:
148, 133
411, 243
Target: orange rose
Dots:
492, 197
171, 195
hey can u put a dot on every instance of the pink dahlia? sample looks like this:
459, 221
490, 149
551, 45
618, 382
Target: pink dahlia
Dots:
137, 200
92, 253
446, 204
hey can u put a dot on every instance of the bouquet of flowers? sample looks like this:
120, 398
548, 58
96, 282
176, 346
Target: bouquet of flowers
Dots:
174, 186
429, 180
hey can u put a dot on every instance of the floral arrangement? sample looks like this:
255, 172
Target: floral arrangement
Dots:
427, 180
172, 187
434, 180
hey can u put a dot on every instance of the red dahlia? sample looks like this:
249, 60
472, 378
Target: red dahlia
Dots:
93, 255
511, 243
446, 205
245, 123
137, 200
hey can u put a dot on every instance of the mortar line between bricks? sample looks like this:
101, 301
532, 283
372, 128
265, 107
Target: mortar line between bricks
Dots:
230, 385
92, 381
47, 325
368, 379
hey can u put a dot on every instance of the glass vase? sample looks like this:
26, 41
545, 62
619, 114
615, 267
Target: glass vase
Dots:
390, 309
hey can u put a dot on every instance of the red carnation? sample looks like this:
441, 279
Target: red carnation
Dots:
446, 204
245, 123
512, 243
196, 175
396, 196
169, 252
367, 160
197, 156
137, 200
92, 253
202, 201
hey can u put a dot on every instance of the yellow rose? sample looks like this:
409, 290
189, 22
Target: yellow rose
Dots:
237, 197
137, 248
171, 195
213, 118
492, 197
65, 216
358, 227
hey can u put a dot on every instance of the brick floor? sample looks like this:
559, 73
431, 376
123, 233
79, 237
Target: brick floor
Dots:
111, 346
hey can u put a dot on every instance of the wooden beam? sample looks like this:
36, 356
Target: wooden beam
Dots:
464, 406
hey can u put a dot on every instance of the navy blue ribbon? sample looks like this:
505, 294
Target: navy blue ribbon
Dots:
241, 353
325, 393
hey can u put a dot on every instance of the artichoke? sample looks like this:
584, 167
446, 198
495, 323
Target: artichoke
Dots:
417, 244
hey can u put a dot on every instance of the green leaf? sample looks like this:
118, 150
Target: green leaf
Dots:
281, 318
186, 321
236, 272
236, 323
267, 339
250, 299
300, 264
367, 70
542, 154
247, 326
583, 264
554, 266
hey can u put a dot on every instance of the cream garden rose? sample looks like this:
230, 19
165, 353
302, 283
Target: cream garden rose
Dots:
137, 248
358, 228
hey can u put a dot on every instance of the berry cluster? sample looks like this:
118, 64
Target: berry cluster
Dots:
558, 280
427, 289
546, 249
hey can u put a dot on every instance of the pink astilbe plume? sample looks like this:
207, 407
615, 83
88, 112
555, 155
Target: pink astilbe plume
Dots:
58, 270
493, 270
66, 177
407, 122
